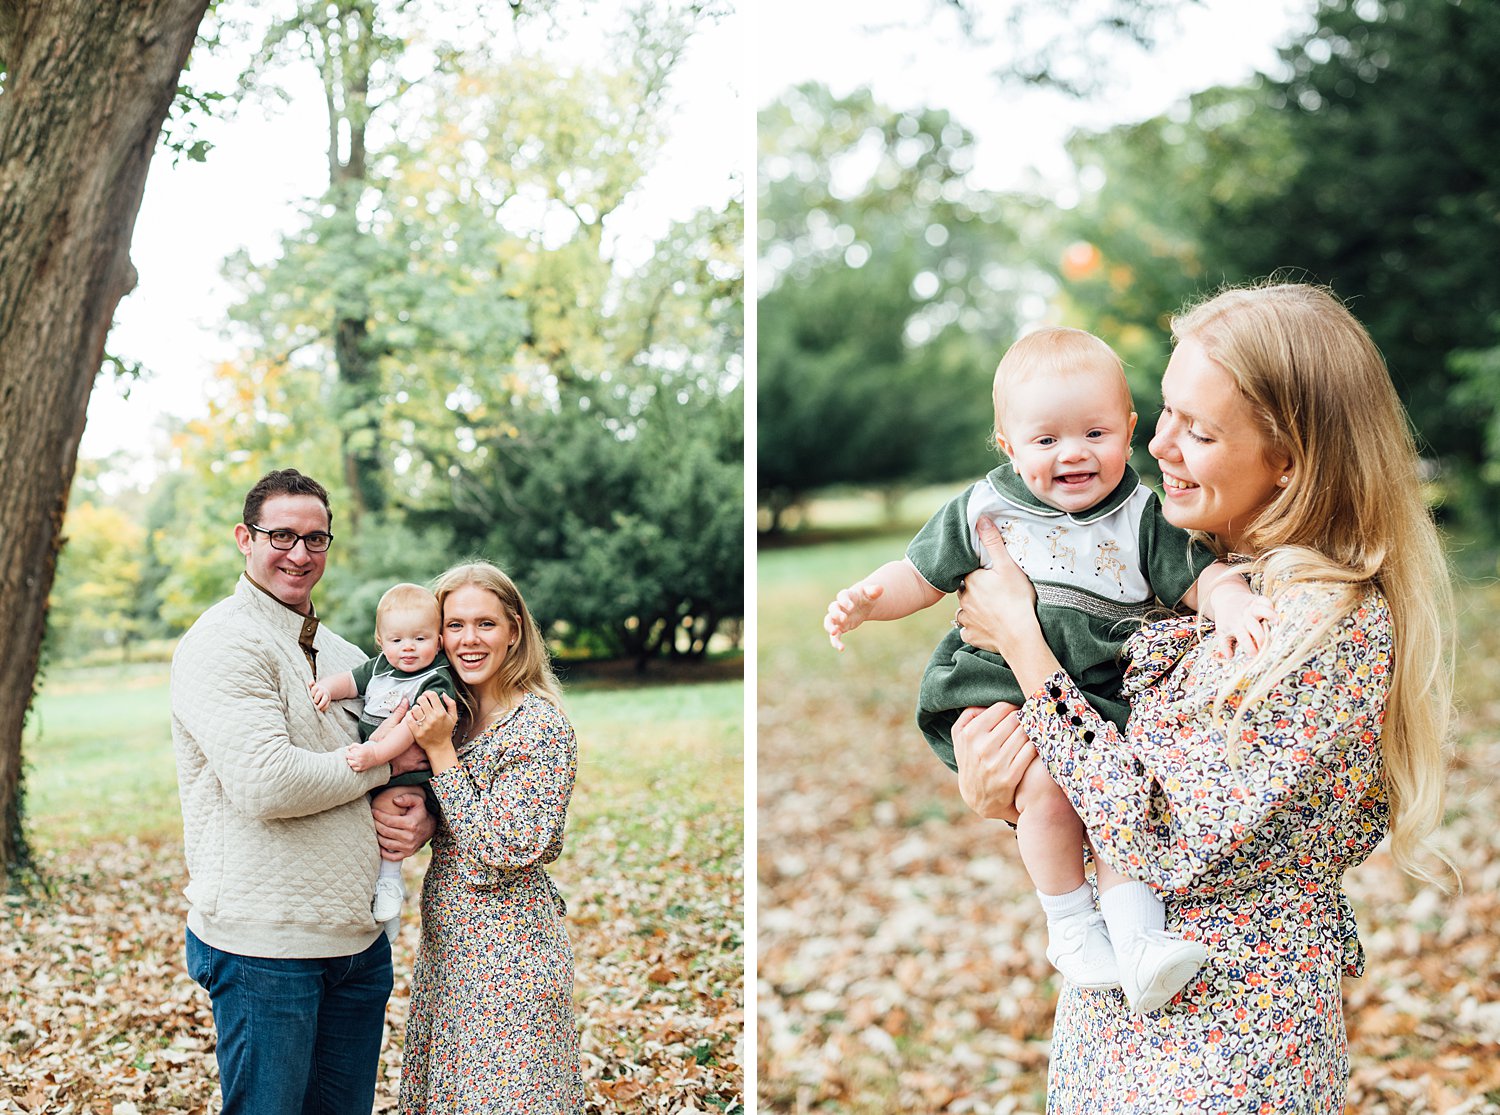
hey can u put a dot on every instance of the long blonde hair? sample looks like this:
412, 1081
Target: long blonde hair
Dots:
528, 666
1351, 518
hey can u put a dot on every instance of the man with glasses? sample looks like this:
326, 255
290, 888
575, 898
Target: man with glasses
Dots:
281, 847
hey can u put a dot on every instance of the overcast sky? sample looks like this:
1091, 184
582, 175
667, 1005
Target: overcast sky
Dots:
912, 54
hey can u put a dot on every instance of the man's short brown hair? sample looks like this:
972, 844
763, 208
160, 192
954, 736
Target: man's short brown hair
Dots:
282, 482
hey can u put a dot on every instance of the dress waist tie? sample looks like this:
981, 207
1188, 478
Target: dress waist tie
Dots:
1348, 933
557, 898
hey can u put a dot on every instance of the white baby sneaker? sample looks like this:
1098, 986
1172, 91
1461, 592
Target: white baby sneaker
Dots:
389, 894
1154, 966
392, 929
1079, 947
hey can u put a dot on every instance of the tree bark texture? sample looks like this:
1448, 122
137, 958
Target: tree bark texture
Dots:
88, 87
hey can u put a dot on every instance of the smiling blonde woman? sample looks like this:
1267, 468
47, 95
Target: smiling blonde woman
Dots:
491, 1024
1242, 788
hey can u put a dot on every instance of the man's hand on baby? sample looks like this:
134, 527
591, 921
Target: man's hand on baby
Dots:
319, 696
1242, 618
849, 609
358, 757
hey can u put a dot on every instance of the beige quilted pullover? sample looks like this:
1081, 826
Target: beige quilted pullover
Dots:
281, 848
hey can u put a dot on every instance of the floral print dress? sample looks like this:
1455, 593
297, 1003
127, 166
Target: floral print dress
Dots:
1247, 844
490, 1028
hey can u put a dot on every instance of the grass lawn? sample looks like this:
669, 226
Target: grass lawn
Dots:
99, 762
93, 998
99, 765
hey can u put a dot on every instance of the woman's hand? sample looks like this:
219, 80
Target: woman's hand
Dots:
431, 722
997, 613
992, 753
996, 605
402, 823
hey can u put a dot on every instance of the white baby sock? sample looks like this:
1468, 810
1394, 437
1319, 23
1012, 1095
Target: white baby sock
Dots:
1130, 909
1059, 906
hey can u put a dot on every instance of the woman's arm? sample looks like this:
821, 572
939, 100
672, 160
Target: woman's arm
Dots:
431, 722
1174, 804
516, 820
392, 743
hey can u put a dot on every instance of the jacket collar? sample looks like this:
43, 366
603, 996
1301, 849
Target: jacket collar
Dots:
281, 618
1014, 491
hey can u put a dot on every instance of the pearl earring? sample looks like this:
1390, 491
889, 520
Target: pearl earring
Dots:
1283, 481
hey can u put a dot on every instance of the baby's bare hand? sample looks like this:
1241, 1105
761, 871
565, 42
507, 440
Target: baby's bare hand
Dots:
358, 758
1247, 623
849, 609
319, 696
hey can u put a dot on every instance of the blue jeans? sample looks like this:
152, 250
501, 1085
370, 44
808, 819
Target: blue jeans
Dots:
296, 1037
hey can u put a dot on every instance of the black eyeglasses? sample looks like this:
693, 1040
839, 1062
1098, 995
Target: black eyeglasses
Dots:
316, 542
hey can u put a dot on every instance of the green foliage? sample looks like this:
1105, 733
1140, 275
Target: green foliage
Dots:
1072, 54
260, 417
386, 551
179, 131
158, 555
195, 104
124, 371
1479, 389
1395, 197
844, 400
1142, 242
1368, 168
98, 581
894, 290
526, 396
621, 515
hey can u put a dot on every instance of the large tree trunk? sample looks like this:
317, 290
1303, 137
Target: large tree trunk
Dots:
87, 88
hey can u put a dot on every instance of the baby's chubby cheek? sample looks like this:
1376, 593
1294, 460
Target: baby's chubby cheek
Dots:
1111, 472
1036, 479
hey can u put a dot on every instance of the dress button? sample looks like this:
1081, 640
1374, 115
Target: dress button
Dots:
1076, 721
1054, 692
1088, 737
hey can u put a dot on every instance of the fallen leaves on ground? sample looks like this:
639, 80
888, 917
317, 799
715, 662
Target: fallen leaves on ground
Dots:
900, 952
98, 1015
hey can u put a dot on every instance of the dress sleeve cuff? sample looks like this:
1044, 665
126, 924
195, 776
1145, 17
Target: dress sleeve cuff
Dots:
1057, 718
